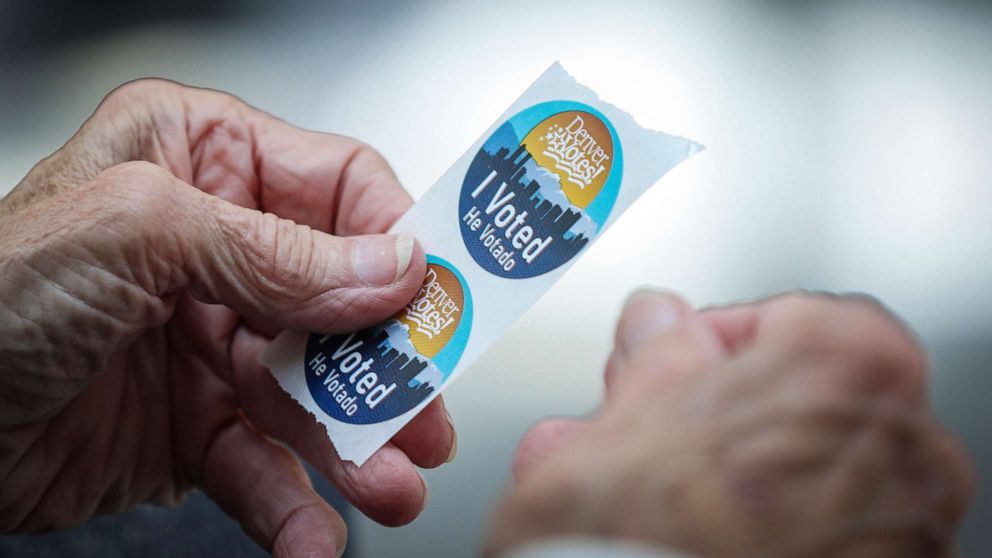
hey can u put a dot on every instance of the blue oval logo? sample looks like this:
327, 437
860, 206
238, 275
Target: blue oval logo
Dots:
384, 371
542, 186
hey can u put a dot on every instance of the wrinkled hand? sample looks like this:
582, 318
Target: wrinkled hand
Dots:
139, 280
792, 427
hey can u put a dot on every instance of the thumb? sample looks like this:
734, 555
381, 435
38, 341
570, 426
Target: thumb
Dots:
660, 341
274, 270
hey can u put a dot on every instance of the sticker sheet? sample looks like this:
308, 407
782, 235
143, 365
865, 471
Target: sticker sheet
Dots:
499, 228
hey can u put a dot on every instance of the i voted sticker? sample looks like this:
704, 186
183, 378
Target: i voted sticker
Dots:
540, 188
382, 372
553, 172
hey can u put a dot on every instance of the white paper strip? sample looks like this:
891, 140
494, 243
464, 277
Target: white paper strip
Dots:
499, 227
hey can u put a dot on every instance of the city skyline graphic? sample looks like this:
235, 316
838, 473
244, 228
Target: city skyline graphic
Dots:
398, 361
555, 219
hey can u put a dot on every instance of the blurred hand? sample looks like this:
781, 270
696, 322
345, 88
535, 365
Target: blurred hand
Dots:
792, 427
139, 280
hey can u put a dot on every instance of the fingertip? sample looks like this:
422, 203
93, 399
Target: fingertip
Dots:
649, 292
387, 488
381, 259
647, 314
311, 530
543, 439
453, 450
404, 252
614, 366
429, 440
415, 265
660, 340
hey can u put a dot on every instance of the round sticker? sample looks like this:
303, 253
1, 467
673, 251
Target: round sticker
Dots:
540, 189
382, 372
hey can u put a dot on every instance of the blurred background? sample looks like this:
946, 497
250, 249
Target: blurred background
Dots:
847, 150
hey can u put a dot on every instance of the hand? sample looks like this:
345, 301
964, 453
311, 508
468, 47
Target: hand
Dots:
792, 427
139, 280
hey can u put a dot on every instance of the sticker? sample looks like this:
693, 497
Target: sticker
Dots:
382, 372
502, 224
540, 188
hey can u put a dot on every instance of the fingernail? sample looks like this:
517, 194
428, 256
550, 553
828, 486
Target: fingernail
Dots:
427, 491
647, 315
382, 259
454, 438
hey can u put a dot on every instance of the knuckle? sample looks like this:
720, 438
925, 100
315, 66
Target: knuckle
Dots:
131, 114
669, 362
953, 480
138, 90
857, 334
927, 470
368, 172
145, 209
877, 343
551, 492
276, 247
137, 189
801, 320
133, 171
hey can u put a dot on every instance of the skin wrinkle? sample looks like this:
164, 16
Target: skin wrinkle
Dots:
255, 258
116, 424
111, 480
886, 428
208, 354
111, 335
227, 160
364, 192
105, 433
37, 328
262, 133
31, 509
149, 144
68, 501
222, 130
381, 466
159, 345
77, 299
155, 309
792, 414
197, 262
226, 426
291, 249
199, 149
139, 272
24, 402
368, 189
183, 474
338, 192
339, 308
293, 513
273, 291
257, 162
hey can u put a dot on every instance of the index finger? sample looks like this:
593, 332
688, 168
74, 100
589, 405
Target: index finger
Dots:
330, 182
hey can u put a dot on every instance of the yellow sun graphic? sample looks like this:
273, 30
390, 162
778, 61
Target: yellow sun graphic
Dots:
434, 314
576, 146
